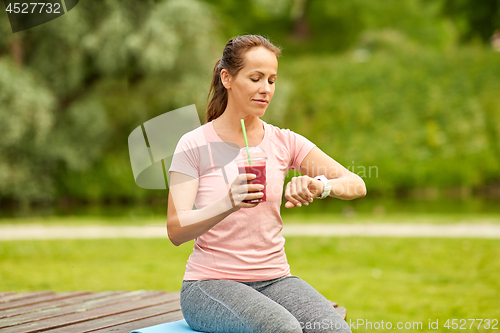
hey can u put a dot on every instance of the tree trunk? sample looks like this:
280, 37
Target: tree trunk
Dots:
16, 50
301, 28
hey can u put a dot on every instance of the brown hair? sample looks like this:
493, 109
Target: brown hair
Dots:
232, 61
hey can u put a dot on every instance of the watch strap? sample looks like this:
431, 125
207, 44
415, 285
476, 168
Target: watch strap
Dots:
327, 186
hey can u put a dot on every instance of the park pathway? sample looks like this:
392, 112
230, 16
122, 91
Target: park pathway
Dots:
459, 230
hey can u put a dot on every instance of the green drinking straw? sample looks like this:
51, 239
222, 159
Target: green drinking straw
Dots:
246, 141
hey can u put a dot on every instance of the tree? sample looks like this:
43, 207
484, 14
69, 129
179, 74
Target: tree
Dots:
71, 90
474, 18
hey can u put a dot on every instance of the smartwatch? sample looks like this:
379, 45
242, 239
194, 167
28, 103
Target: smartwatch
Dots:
327, 188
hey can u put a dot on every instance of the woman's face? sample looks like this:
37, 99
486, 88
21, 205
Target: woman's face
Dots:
252, 88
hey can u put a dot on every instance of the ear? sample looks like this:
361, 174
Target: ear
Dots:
225, 77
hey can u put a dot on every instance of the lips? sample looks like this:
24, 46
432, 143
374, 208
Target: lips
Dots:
261, 101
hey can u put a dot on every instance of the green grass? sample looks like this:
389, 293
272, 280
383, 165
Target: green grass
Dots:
396, 218
402, 279
376, 279
298, 217
117, 264
85, 220
365, 211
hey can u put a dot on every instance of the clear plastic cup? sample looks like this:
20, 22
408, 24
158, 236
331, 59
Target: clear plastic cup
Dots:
258, 168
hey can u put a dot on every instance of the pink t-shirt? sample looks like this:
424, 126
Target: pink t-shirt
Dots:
247, 245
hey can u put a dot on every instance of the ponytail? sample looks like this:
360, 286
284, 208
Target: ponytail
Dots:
218, 101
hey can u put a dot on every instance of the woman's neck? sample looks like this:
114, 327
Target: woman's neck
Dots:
228, 127
231, 124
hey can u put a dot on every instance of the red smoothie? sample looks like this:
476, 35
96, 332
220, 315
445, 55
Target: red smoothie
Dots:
260, 172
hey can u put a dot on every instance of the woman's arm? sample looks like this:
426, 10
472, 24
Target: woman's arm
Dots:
302, 190
185, 224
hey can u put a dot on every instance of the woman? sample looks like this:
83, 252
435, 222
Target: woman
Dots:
237, 278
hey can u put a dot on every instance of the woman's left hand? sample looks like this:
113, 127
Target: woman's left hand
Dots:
302, 190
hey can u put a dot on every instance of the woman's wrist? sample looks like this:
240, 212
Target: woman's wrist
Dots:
319, 185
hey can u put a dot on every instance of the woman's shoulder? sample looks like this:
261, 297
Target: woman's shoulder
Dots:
197, 136
287, 139
278, 134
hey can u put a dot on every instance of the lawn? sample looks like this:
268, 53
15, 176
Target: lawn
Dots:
389, 279
296, 217
365, 211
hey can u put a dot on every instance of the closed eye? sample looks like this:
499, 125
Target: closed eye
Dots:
256, 80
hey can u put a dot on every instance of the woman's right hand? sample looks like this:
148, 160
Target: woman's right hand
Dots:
241, 190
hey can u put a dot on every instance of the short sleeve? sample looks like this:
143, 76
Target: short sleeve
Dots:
186, 158
299, 148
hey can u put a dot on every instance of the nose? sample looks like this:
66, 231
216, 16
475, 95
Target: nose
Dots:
265, 88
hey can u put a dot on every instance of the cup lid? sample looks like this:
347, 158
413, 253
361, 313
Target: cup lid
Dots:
256, 154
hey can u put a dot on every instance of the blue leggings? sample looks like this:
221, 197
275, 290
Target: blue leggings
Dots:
283, 305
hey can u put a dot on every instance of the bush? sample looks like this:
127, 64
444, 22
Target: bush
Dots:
424, 118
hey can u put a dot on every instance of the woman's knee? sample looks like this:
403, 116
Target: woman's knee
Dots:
283, 325
292, 330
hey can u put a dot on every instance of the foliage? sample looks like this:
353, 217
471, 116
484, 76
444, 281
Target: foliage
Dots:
474, 19
27, 119
71, 90
421, 118
334, 26
84, 82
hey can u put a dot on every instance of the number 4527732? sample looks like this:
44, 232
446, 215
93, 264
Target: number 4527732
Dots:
462, 324
34, 8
